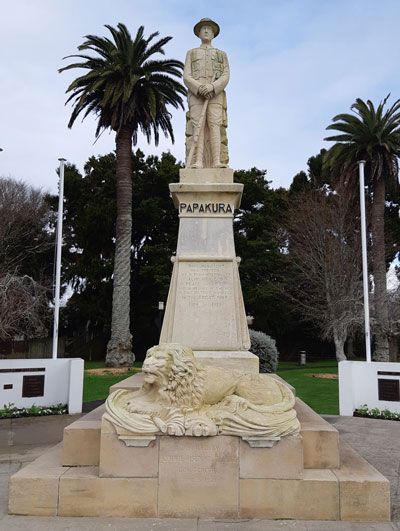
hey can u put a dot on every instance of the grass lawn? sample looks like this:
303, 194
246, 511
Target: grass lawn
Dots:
319, 393
96, 387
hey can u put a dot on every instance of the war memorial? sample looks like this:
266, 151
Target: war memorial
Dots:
200, 433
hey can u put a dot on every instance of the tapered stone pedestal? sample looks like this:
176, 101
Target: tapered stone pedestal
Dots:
205, 308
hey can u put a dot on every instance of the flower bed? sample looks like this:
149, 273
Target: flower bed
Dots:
10, 411
376, 413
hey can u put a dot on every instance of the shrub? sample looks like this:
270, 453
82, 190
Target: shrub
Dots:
376, 413
10, 411
265, 348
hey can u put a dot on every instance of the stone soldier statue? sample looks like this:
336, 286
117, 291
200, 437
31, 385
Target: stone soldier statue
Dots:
206, 75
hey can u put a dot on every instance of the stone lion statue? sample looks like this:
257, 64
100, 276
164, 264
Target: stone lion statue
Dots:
181, 397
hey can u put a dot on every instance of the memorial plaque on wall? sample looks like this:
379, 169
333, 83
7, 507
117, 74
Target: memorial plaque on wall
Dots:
389, 390
33, 385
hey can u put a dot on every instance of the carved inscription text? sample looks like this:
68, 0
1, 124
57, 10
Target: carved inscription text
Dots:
207, 284
205, 208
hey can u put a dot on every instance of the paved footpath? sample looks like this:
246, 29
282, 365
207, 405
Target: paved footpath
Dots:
376, 440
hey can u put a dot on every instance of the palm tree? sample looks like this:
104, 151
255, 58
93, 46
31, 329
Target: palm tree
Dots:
371, 134
129, 91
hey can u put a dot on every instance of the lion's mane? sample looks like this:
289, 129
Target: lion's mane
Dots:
185, 380
174, 402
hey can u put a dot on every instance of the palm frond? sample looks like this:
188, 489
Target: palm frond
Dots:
124, 84
370, 133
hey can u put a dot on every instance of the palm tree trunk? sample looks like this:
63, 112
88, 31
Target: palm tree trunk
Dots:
381, 352
119, 348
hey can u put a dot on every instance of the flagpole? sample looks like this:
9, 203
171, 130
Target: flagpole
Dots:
361, 165
58, 257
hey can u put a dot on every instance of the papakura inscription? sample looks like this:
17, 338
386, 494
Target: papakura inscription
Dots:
206, 208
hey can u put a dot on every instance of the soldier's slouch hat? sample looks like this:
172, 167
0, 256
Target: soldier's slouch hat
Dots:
206, 22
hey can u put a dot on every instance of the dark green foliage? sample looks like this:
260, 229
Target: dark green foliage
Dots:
89, 231
300, 183
259, 243
89, 226
155, 232
392, 226
264, 347
318, 175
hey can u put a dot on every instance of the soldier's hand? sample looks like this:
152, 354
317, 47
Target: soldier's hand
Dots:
202, 90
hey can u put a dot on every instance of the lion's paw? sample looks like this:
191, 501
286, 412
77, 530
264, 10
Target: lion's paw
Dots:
175, 429
173, 424
161, 425
200, 427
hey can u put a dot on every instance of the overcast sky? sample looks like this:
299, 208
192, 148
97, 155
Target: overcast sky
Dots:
294, 65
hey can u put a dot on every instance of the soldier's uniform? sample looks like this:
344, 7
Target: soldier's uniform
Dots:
207, 65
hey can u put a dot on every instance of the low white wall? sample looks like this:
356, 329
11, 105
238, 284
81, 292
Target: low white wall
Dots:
63, 382
358, 385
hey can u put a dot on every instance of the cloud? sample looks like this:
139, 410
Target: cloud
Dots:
294, 65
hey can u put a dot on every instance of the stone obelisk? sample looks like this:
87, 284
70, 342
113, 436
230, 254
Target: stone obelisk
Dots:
205, 308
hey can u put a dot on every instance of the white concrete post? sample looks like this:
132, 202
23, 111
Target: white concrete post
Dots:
75, 391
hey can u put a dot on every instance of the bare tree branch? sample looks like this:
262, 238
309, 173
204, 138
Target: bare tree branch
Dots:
24, 308
324, 248
24, 242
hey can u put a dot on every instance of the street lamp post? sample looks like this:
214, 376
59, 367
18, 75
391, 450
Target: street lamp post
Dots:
361, 165
58, 258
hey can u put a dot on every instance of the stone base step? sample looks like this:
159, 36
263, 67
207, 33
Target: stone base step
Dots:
182, 486
320, 439
132, 383
81, 446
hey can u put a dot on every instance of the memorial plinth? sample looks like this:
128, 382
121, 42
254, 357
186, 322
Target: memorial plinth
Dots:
205, 308
93, 473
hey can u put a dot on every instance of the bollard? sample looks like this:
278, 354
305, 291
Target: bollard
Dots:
249, 319
302, 357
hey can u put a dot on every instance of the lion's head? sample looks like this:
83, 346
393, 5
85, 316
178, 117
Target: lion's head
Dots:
172, 368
